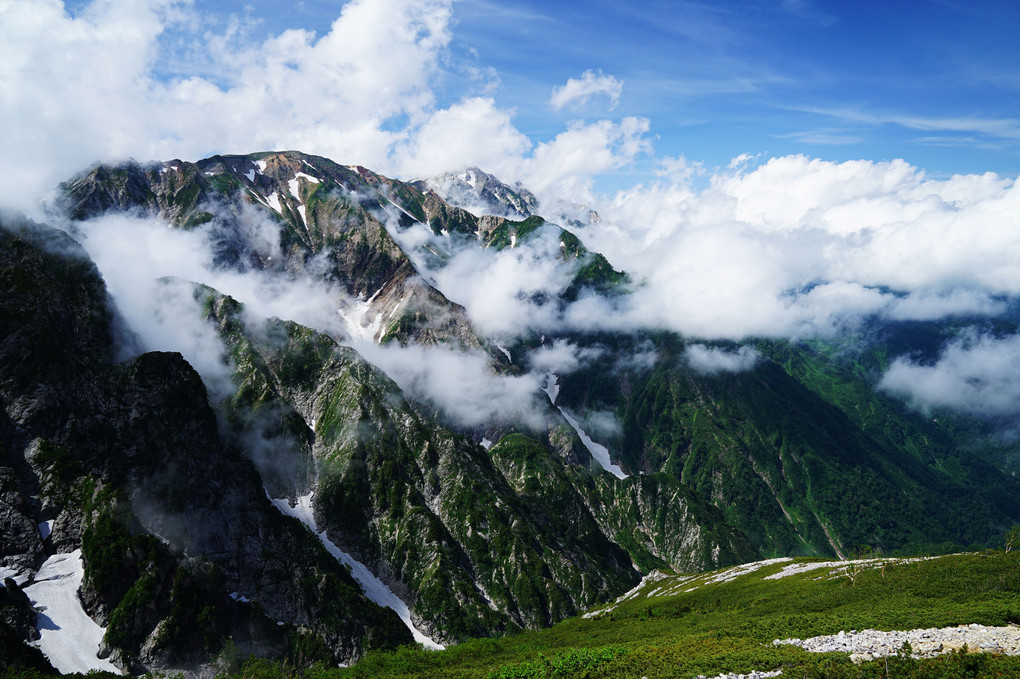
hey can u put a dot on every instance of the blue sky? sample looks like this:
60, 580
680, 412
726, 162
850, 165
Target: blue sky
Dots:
932, 82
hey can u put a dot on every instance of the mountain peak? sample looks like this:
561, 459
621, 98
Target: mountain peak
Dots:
481, 193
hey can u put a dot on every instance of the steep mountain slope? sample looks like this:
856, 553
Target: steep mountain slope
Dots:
334, 222
635, 457
181, 549
802, 457
126, 462
479, 540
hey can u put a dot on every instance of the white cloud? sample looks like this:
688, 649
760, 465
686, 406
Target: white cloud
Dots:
577, 93
563, 168
978, 374
462, 385
473, 132
561, 357
83, 88
711, 360
804, 247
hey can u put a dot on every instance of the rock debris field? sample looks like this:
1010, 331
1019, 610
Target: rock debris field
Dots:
925, 643
872, 644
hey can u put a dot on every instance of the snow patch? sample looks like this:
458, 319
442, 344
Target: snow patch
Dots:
68, 636
731, 574
354, 319
274, 202
250, 174
375, 589
295, 189
45, 528
597, 450
551, 388
238, 597
652, 577
261, 165
505, 351
485, 443
16, 574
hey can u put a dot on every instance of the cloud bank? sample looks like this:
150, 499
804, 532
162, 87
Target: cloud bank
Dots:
801, 247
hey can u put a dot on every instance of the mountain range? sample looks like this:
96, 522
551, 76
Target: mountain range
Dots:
329, 430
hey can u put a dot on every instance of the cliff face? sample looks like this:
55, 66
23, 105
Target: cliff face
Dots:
127, 463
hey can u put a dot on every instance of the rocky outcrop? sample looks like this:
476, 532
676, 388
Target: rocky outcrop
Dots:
294, 214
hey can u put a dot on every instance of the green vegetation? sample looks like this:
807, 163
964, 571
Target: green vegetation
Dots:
730, 626
598, 275
510, 232
802, 455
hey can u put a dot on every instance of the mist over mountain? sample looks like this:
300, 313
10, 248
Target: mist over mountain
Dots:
463, 410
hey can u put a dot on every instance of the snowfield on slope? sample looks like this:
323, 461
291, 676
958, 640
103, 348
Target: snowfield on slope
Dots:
69, 637
375, 589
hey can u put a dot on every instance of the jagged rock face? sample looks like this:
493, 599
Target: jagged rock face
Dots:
725, 467
127, 461
17, 624
481, 194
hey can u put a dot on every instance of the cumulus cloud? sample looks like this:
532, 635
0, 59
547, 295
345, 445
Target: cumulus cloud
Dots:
711, 360
977, 374
801, 247
94, 86
473, 132
84, 87
563, 168
578, 92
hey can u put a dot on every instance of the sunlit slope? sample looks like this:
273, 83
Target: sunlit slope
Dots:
727, 621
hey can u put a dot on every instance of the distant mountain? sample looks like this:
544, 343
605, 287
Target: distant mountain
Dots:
306, 507
481, 194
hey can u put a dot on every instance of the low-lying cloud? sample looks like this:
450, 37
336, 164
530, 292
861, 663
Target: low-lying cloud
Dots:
462, 384
976, 374
712, 360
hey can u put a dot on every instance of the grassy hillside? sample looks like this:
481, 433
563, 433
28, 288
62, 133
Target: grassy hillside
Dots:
725, 621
